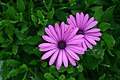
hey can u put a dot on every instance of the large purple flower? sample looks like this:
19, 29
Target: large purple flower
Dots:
61, 45
85, 25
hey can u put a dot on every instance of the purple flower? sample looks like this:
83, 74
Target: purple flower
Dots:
85, 25
61, 45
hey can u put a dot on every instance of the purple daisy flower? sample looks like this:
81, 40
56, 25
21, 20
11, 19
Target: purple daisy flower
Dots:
61, 45
85, 25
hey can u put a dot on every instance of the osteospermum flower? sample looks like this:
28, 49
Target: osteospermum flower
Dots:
85, 25
61, 45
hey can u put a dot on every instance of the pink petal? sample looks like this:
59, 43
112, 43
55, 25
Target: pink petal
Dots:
68, 32
73, 33
63, 29
47, 46
53, 58
48, 39
78, 51
87, 23
49, 33
78, 19
91, 25
58, 30
94, 34
93, 30
93, 37
52, 30
74, 42
84, 46
59, 60
85, 19
65, 59
72, 61
77, 37
73, 20
81, 20
48, 54
72, 54
70, 22
88, 44
90, 40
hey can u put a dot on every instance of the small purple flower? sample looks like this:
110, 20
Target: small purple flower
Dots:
61, 45
85, 25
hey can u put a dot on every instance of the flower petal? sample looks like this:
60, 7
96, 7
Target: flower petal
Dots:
81, 21
91, 25
88, 23
65, 59
48, 54
90, 40
73, 20
52, 30
53, 58
47, 46
72, 54
84, 46
48, 39
77, 37
78, 19
73, 33
93, 30
72, 61
58, 30
93, 37
88, 44
71, 23
59, 60
49, 33
78, 50
63, 29
94, 34
85, 19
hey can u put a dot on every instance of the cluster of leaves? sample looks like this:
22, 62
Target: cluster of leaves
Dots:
22, 23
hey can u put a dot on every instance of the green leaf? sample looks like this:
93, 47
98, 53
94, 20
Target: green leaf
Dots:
41, 31
34, 19
50, 14
108, 14
104, 26
9, 30
20, 5
108, 39
33, 62
53, 71
98, 13
12, 62
102, 77
44, 64
80, 68
40, 14
70, 70
91, 62
32, 40
14, 49
71, 78
28, 49
2, 40
48, 76
62, 77
31, 6
11, 12
13, 72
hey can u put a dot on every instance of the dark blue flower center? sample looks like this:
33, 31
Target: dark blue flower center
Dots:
61, 45
80, 32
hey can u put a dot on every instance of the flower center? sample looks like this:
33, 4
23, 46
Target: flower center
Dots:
61, 45
80, 32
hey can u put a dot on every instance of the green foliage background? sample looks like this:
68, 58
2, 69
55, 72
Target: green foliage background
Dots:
22, 23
